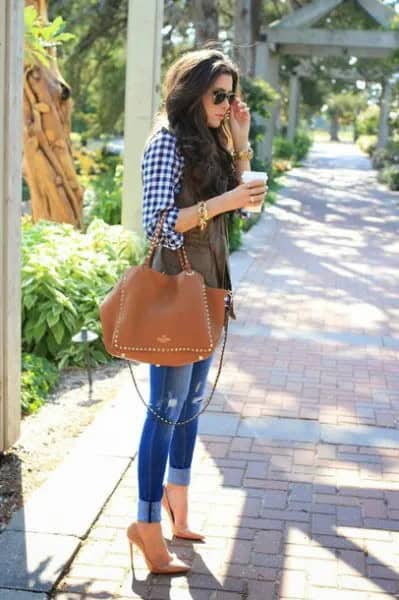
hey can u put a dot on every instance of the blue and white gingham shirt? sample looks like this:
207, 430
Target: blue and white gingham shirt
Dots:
161, 172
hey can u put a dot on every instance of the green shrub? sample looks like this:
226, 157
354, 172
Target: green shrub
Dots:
103, 198
302, 143
283, 148
379, 158
367, 121
367, 143
390, 176
65, 276
260, 96
38, 377
234, 225
392, 149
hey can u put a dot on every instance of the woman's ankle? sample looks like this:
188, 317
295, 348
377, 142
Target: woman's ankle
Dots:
180, 477
176, 486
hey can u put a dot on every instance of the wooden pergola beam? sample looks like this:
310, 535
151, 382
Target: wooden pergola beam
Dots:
312, 13
311, 50
11, 76
335, 39
308, 15
381, 13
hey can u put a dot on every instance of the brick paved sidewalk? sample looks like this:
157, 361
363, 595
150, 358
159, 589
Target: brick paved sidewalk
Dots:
312, 357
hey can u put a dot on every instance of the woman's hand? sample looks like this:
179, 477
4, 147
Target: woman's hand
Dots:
240, 120
245, 194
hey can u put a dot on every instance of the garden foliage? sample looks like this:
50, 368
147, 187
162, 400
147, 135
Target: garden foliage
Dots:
65, 276
38, 377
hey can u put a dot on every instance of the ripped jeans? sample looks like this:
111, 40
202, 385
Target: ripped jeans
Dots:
176, 393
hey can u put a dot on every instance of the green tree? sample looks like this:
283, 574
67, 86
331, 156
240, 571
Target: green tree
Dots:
342, 110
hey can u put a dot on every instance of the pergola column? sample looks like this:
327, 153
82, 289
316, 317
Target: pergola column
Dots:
267, 64
144, 51
293, 106
385, 104
11, 77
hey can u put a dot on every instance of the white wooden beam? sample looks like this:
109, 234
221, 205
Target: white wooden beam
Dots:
144, 51
338, 38
381, 13
293, 106
306, 71
385, 105
267, 65
308, 15
315, 50
11, 77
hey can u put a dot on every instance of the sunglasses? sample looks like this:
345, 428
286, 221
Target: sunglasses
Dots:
220, 96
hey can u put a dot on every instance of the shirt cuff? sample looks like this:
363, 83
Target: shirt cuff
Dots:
172, 238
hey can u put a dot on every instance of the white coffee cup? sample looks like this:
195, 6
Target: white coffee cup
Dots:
246, 177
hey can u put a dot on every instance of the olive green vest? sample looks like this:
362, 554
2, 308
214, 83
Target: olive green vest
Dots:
207, 250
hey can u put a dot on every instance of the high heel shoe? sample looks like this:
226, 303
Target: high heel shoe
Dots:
175, 565
180, 533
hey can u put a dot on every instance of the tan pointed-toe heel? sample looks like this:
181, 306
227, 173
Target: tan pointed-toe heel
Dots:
174, 566
186, 534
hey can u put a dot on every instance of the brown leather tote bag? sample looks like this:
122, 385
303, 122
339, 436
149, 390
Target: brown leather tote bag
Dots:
161, 319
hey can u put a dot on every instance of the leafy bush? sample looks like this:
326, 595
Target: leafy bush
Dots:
302, 143
384, 157
379, 158
283, 148
65, 275
234, 224
259, 95
38, 377
281, 166
105, 197
367, 120
390, 176
367, 143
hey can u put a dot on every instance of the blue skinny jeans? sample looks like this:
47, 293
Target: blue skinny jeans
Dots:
176, 393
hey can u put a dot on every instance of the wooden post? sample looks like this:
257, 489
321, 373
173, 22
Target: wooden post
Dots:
385, 104
243, 35
267, 64
11, 78
144, 51
293, 107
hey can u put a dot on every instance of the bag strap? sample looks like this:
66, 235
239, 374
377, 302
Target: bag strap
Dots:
226, 322
181, 252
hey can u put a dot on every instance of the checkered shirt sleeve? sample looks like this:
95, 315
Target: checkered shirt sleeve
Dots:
161, 172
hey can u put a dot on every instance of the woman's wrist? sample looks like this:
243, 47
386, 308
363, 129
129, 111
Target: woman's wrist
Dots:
218, 204
240, 145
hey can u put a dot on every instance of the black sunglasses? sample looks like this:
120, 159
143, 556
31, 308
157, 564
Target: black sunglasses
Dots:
220, 96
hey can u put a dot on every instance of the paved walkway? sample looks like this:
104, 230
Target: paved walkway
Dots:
296, 471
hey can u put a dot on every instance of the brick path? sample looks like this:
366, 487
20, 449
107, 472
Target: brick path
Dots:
317, 340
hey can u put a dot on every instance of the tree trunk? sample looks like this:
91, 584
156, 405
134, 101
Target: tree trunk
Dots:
334, 128
206, 21
243, 36
48, 167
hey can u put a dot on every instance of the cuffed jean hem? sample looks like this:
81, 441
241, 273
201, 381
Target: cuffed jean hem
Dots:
179, 476
149, 512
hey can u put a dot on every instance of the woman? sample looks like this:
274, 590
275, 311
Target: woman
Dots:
191, 168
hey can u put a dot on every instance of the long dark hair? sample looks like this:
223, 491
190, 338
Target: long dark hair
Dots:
208, 165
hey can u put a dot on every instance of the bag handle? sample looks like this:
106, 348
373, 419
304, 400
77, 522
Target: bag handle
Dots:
181, 252
167, 421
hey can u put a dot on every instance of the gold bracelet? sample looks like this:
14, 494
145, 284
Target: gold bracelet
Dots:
247, 154
203, 214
